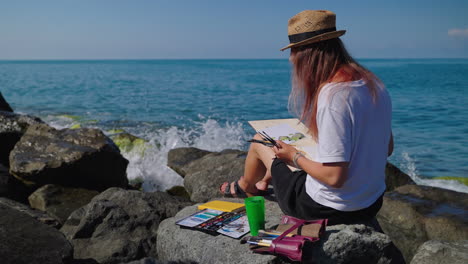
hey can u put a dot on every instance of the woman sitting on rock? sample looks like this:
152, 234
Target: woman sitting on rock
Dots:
348, 113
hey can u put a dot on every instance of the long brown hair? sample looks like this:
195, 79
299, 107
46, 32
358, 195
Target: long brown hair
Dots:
317, 64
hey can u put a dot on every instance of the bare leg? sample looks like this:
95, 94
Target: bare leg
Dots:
257, 168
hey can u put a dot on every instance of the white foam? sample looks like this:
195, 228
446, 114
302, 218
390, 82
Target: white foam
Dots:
60, 122
152, 166
412, 171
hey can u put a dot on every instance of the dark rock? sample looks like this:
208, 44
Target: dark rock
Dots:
14, 189
38, 215
179, 158
395, 178
119, 225
12, 128
413, 214
179, 191
4, 179
4, 106
26, 240
205, 175
340, 244
59, 202
435, 252
83, 158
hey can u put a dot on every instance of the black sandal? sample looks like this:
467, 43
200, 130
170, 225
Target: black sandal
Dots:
238, 192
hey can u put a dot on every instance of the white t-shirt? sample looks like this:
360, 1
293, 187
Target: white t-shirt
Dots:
352, 128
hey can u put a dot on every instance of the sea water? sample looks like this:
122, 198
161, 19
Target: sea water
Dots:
207, 103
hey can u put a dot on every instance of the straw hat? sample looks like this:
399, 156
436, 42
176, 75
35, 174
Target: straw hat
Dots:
311, 26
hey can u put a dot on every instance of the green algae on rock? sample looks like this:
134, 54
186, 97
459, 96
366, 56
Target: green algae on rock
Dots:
129, 143
462, 180
75, 126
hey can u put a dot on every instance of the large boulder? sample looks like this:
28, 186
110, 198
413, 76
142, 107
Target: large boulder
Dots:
175, 243
4, 106
178, 159
83, 158
206, 174
435, 252
12, 128
414, 214
340, 244
119, 225
59, 202
395, 178
23, 239
36, 214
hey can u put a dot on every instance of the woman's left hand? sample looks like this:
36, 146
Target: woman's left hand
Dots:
286, 152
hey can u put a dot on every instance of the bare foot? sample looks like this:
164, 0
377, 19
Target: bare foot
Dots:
248, 189
263, 184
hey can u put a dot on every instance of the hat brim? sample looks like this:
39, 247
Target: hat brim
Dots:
321, 37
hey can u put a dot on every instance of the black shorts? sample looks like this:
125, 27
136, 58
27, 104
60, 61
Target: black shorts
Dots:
293, 199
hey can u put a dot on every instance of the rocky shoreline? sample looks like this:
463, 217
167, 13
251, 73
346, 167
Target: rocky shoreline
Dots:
65, 198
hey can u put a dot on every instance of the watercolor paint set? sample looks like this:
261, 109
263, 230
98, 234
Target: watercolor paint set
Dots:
233, 224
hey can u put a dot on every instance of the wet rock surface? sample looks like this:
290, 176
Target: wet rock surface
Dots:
414, 214
58, 201
83, 158
23, 239
120, 225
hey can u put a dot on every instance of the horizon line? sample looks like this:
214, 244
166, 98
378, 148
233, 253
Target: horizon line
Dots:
174, 59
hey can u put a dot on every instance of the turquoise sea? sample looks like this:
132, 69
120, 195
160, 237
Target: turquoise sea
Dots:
206, 104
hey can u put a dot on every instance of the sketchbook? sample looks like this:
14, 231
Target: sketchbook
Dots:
290, 131
221, 206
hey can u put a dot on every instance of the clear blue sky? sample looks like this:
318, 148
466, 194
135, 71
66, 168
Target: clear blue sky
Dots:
144, 29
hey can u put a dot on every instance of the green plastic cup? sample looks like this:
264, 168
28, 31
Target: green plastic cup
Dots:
255, 208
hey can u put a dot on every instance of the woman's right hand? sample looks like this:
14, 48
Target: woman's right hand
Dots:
285, 152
